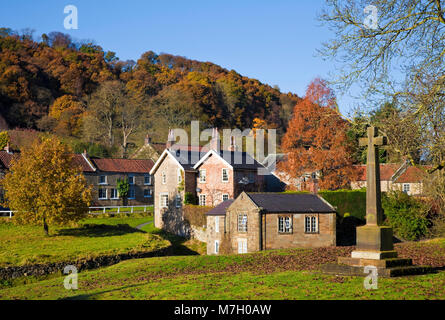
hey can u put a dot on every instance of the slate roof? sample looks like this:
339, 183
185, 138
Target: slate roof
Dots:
220, 210
123, 165
186, 157
240, 160
291, 203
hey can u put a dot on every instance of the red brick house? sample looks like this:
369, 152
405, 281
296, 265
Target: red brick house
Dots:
263, 221
211, 176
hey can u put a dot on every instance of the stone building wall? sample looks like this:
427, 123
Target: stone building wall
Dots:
170, 167
326, 235
212, 234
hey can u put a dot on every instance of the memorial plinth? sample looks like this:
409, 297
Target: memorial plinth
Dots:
375, 245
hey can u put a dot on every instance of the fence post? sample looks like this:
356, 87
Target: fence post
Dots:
132, 209
105, 209
118, 209
10, 214
145, 208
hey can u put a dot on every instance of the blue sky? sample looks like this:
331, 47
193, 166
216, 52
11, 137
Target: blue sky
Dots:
272, 41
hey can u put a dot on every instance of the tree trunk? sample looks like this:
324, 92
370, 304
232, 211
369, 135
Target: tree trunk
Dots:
45, 227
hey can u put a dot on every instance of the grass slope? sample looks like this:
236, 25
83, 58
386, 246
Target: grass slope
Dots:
282, 274
21, 245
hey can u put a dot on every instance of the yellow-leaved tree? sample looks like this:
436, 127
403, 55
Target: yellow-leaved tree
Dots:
44, 186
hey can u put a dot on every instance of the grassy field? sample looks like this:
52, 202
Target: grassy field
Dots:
282, 274
21, 245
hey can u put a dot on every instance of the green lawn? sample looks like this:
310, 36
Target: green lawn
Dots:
21, 245
226, 277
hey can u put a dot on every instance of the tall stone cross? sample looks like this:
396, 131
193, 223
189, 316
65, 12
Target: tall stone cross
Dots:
374, 214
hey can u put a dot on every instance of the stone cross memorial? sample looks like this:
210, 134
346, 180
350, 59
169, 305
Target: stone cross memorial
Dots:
374, 241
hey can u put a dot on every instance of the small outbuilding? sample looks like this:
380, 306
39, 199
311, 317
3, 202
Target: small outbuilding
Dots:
265, 221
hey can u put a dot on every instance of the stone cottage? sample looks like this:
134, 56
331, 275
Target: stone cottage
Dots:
263, 221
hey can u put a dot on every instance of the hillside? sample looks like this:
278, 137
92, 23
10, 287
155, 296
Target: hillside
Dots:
172, 90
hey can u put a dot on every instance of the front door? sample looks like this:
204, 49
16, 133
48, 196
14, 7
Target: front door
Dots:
242, 245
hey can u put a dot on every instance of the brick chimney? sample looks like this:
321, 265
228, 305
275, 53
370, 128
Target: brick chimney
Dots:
85, 153
215, 142
170, 139
8, 148
147, 140
232, 146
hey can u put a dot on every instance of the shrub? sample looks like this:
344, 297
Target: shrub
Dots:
406, 215
347, 201
195, 215
4, 139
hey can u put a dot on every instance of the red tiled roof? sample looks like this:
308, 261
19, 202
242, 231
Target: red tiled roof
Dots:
123, 165
386, 171
80, 161
411, 174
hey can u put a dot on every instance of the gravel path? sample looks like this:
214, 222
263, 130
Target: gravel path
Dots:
143, 225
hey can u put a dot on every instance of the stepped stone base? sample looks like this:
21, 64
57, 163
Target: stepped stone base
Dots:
390, 267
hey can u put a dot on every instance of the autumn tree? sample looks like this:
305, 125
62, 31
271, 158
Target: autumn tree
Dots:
45, 187
68, 113
316, 139
4, 139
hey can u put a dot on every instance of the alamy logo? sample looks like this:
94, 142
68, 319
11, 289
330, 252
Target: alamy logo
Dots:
371, 281
71, 20
70, 281
371, 21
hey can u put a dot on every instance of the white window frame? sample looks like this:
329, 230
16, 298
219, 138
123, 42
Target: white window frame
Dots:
111, 194
178, 201
200, 200
132, 178
149, 179
222, 175
242, 222
161, 195
216, 246
242, 246
103, 183
201, 176
217, 224
225, 194
282, 224
106, 194
408, 189
310, 224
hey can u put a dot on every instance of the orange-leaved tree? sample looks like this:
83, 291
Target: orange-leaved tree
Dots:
316, 139
44, 186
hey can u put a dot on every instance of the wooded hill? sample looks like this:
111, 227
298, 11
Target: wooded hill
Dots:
171, 90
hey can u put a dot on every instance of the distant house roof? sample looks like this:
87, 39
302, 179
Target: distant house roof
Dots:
123, 165
220, 210
411, 175
83, 162
291, 202
6, 157
387, 170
